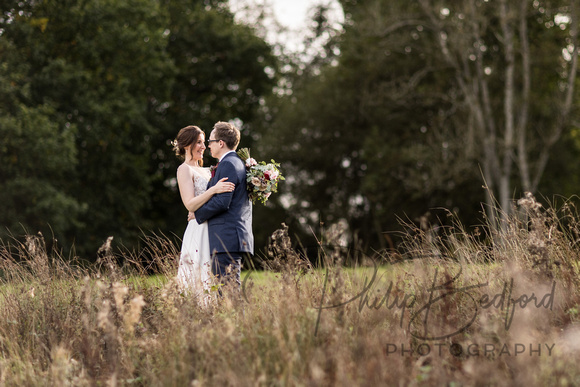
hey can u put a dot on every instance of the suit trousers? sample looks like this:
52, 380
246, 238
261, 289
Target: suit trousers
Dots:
227, 267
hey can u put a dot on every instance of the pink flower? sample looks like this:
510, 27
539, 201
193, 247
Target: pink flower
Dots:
270, 174
251, 162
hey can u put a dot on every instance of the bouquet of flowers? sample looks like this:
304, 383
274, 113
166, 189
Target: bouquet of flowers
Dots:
262, 178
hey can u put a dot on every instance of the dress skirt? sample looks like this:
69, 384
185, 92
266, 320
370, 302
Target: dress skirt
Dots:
193, 274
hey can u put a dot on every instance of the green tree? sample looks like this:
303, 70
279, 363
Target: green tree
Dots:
515, 67
37, 158
111, 83
399, 122
100, 64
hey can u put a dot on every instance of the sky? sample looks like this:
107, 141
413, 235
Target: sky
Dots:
292, 14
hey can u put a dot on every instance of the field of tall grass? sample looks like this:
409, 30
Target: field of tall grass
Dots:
454, 308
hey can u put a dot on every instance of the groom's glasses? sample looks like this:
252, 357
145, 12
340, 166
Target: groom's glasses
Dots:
210, 141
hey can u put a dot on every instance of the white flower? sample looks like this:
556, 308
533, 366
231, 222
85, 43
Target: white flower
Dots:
256, 181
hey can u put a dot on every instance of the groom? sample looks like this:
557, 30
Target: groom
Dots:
228, 214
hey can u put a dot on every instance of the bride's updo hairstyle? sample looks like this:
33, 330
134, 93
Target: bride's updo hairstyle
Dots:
186, 137
228, 133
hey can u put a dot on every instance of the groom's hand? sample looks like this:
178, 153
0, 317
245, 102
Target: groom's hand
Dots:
190, 216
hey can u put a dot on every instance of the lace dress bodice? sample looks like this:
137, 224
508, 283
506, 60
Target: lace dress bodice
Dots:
200, 179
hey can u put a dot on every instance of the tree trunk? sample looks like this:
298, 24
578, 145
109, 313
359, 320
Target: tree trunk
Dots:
505, 138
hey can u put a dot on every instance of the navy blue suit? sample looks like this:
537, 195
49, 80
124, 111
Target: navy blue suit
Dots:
229, 218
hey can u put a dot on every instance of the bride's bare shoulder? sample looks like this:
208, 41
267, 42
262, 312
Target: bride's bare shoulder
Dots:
184, 169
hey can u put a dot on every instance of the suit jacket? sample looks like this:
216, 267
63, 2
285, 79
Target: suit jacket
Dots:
229, 214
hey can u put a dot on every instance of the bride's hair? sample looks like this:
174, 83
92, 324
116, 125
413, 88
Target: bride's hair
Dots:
186, 137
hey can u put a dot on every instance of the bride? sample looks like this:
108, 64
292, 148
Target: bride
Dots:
193, 274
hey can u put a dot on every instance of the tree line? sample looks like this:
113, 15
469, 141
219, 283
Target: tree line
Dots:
424, 112
410, 109
92, 92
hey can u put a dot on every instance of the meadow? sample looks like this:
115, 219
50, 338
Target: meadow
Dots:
455, 308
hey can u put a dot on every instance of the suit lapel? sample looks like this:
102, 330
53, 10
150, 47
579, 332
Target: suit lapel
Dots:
213, 180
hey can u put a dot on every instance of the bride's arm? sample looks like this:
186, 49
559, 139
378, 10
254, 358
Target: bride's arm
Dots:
187, 192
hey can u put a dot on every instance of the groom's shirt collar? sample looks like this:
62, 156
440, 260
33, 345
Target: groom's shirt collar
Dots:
224, 155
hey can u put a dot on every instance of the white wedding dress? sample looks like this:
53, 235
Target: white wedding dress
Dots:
193, 274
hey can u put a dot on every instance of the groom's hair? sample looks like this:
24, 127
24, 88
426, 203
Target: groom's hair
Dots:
228, 133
